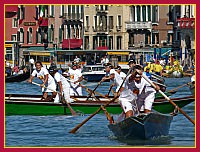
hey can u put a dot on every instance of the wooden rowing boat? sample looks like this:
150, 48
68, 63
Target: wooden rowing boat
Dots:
144, 126
19, 104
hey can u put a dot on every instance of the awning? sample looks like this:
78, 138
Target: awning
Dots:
118, 53
102, 48
11, 8
40, 53
43, 21
72, 43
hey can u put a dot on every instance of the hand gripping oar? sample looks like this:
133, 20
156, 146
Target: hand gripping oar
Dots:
78, 126
62, 99
167, 98
179, 87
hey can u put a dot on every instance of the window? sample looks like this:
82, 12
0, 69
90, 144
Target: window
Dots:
21, 35
95, 23
51, 34
132, 14
14, 22
155, 38
39, 36
119, 20
77, 12
171, 19
155, 14
61, 31
144, 13
13, 37
119, 42
73, 11
30, 36
110, 22
69, 12
61, 10
138, 13
149, 12
169, 38
52, 10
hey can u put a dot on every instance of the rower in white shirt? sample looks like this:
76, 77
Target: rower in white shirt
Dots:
75, 78
47, 81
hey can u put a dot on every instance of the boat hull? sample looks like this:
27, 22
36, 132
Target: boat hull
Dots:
142, 127
18, 78
16, 105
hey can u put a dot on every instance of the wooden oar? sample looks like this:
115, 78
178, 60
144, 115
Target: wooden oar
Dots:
109, 90
179, 87
78, 126
90, 94
62, 99
167, 98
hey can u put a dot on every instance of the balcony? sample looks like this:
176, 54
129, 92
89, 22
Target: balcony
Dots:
101, 29
138, 25
72, 16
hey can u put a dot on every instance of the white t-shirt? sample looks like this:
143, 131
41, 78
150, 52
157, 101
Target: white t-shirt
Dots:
42, 74
128, 90
74, 76
59, 78
117, 79
122, 75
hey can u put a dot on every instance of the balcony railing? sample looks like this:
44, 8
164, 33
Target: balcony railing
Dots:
101, 29
76, 16
138, 25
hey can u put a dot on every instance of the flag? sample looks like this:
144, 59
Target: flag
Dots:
41, 11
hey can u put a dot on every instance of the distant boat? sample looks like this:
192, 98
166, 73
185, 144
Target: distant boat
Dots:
18, 77
93, 73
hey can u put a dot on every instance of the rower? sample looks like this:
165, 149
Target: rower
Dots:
64, 86
48, 81
75, 78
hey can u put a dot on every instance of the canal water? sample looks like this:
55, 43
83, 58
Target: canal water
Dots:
47, 131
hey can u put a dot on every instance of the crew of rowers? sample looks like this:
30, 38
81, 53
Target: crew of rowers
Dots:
135, 93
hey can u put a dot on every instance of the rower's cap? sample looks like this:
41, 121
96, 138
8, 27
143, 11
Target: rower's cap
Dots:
52, 69
131, 61
112, 71
118, 68
108, 65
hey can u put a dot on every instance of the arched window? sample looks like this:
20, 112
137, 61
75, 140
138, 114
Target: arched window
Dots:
30, 36
39, 36
21, 35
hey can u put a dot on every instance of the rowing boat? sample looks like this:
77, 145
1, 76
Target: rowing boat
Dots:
19, 104
144, 126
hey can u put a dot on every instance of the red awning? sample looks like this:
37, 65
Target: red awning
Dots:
11, 8
43, 21
72, 43
102, 48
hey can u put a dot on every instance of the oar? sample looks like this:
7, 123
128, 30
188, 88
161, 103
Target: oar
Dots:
179, 87
62, 99
89, 90
78, 126
94, 90
167, 98
109, 90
